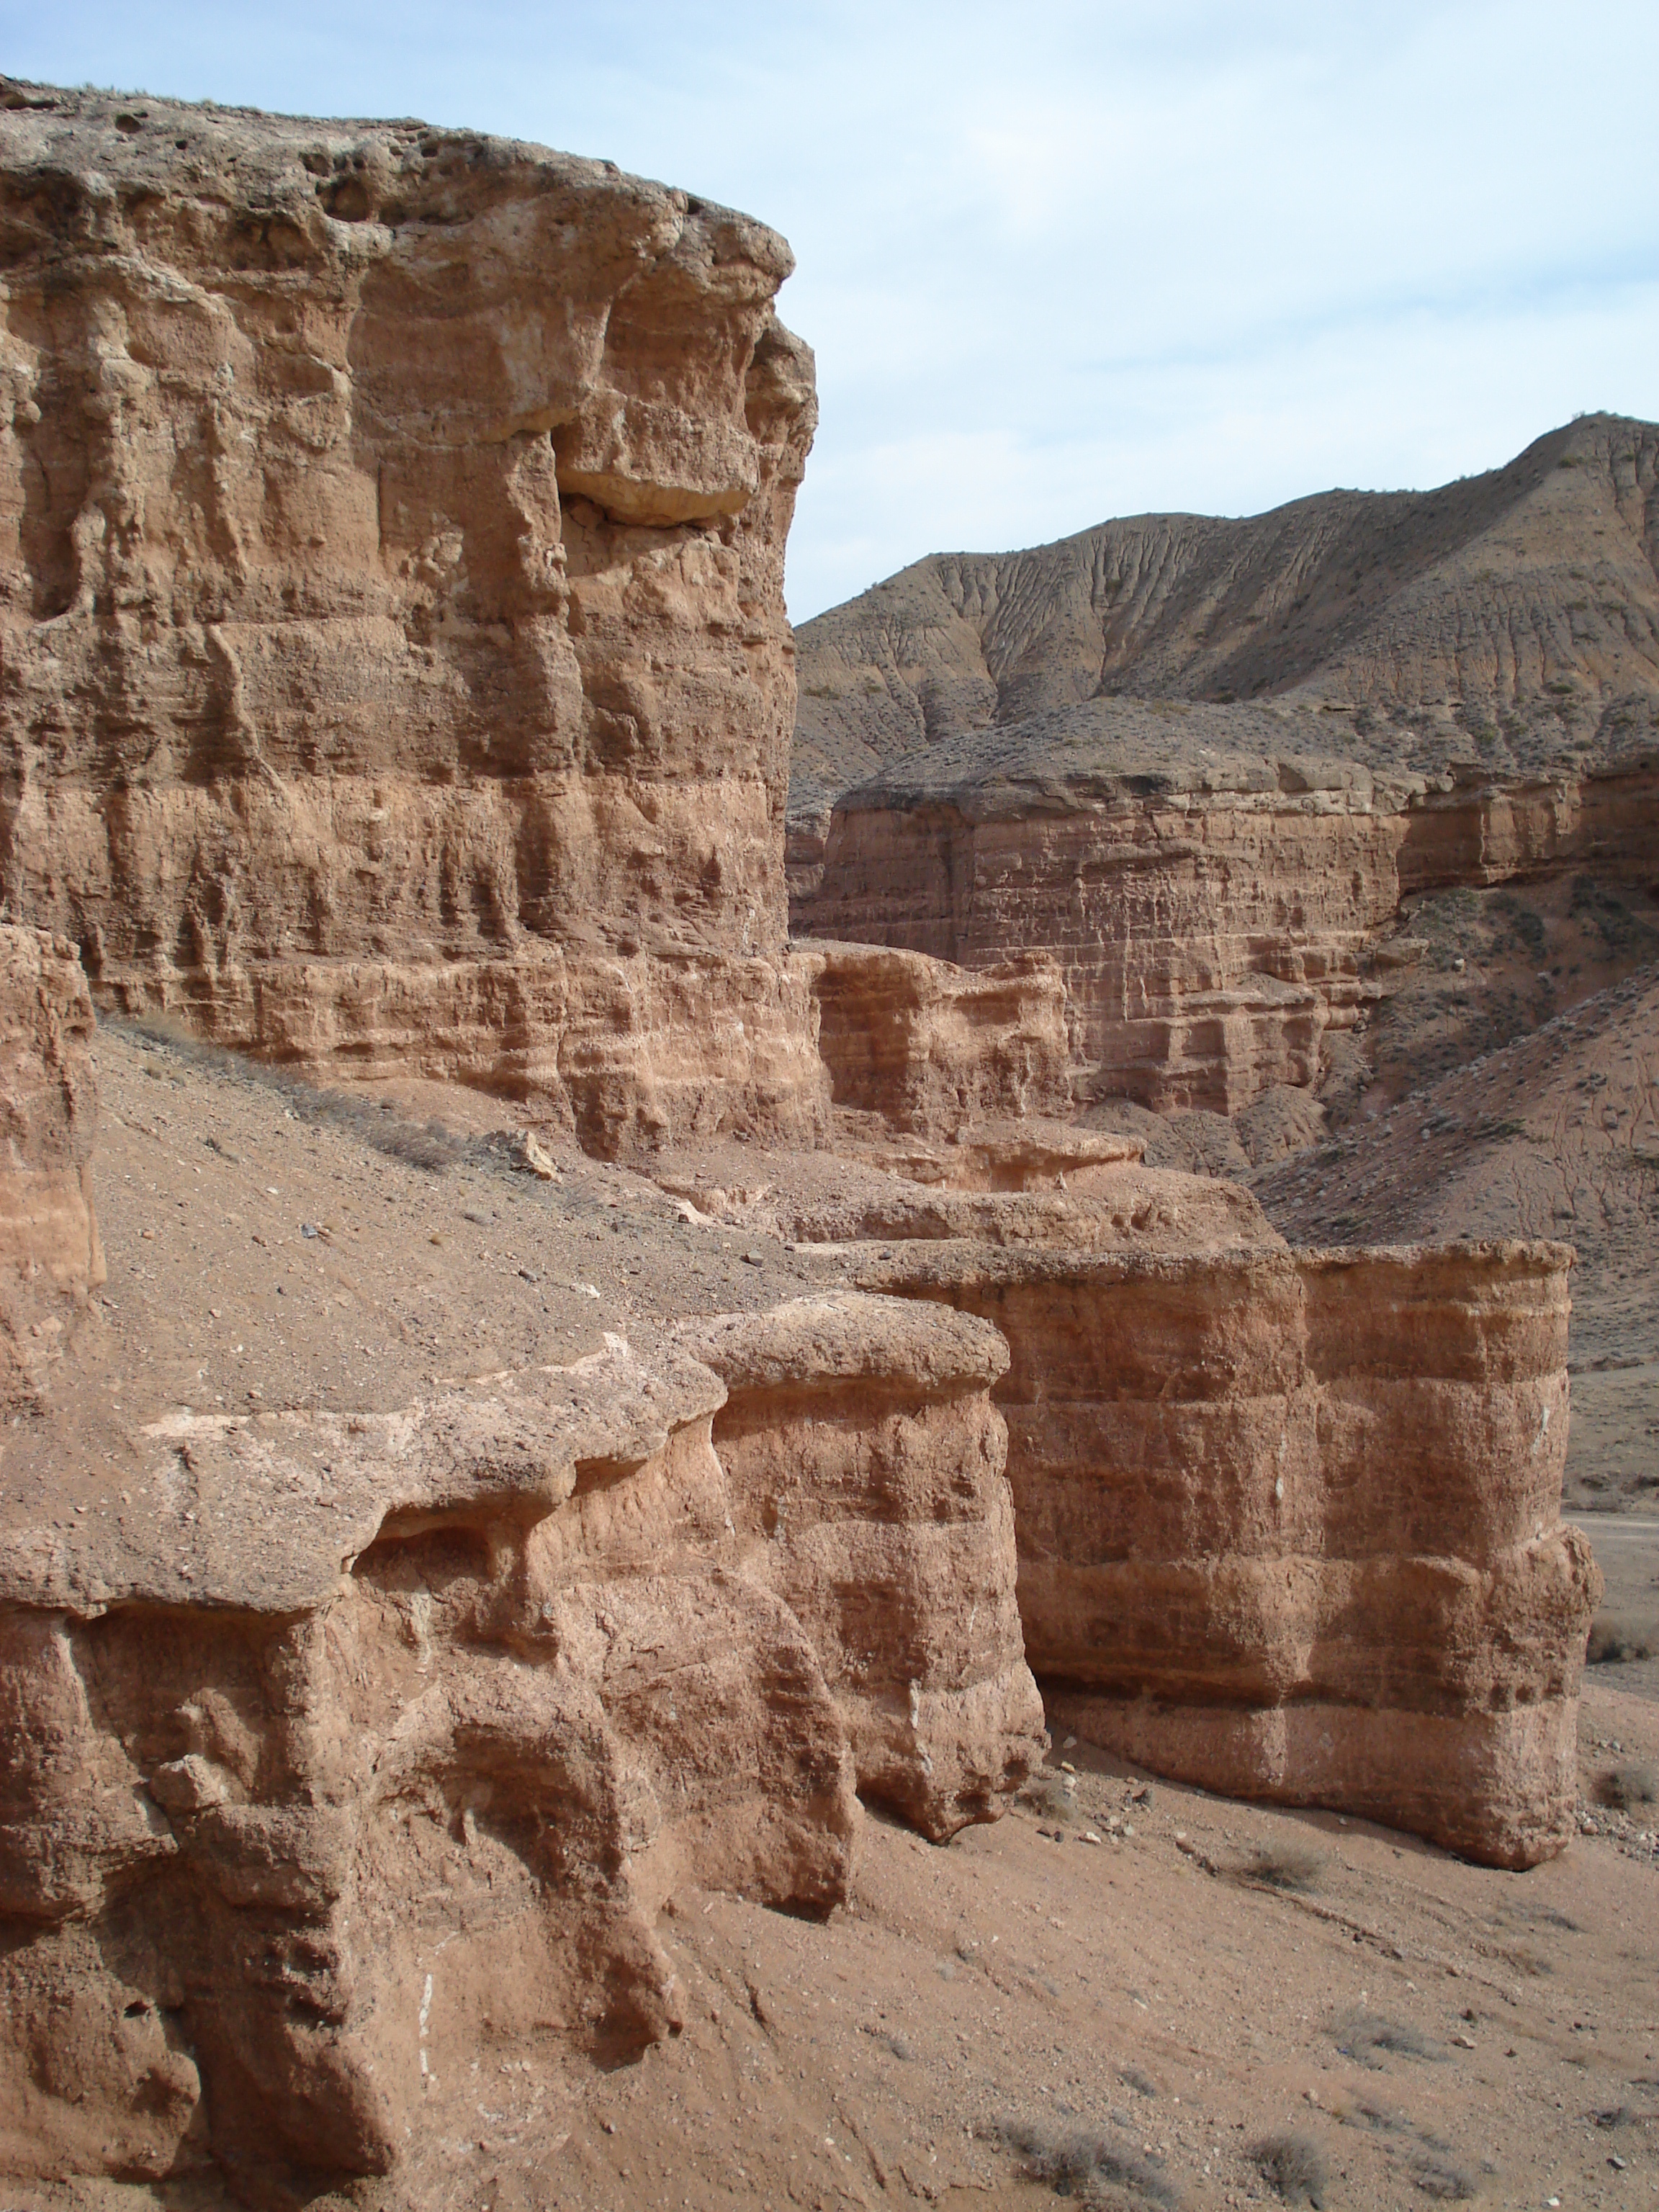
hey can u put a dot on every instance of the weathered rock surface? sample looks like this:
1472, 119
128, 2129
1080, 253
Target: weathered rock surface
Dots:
1222, 919
50, 1253
867, 1467
389, 1748
390, 1755
392, 530
925, 1047
1289, 1523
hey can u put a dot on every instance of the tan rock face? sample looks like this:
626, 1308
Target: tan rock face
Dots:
391, 528
867, 1465
50, 1253
1205, 946
391, 1757
388, 1749
1289, 1524
927, 1047
1214, 942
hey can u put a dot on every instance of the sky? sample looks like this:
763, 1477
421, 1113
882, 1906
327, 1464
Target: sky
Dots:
1062, 262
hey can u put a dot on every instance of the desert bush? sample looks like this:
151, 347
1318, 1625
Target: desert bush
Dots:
1294, 2167
1613, 1640
1288, 1865
1361, 2035
1075, 2163
1438, 2175
1625, 1787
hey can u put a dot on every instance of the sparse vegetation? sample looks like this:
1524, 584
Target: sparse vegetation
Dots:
1440, 2176
1614, 1640
1075, 2163
1289, 1866
1361, 2035
1293, 2166
1625, 1787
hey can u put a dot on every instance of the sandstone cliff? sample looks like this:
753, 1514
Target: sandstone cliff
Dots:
392, 530
1200, 764
1368, 1600
1220, 917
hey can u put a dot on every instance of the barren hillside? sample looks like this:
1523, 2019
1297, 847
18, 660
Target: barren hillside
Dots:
1509, 620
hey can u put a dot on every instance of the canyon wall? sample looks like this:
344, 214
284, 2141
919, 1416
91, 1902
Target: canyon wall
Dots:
924, 1047
392, 534
866, 1465
369, 1744
1289, 1523
1211, 933
50, 1253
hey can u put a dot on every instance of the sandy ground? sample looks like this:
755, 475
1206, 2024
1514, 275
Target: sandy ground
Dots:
1421, 2030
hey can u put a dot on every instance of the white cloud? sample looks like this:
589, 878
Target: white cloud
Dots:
1068, 260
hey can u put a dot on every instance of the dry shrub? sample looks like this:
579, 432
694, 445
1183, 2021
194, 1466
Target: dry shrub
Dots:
1361, 2035
1075, 2163
1294, 2167
1625, 1787
1612, 1639
1290, 1865
1438, 2175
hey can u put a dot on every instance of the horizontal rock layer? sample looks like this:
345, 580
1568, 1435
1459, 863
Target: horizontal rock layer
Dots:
391, 529
1208, 939
1289, 1524
867, 1465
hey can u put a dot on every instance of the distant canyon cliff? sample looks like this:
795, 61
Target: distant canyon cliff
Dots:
1199, 763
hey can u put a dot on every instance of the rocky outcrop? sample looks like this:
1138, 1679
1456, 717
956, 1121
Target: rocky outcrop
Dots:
1509, 621
370, 1743
391, 531
50, 1253
867, 1468
1200, 764
1289, 1523
925, 1047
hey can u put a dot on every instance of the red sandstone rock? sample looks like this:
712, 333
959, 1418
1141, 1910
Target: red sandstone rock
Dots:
387, 1751
50, 1253
391, 527
927, 1047
867, 1468
1289, 1523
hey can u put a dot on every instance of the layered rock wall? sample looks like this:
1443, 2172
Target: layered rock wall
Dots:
927, 1047
1289, 1523
386, 1748
391, 531
1208, 940
867, 1465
